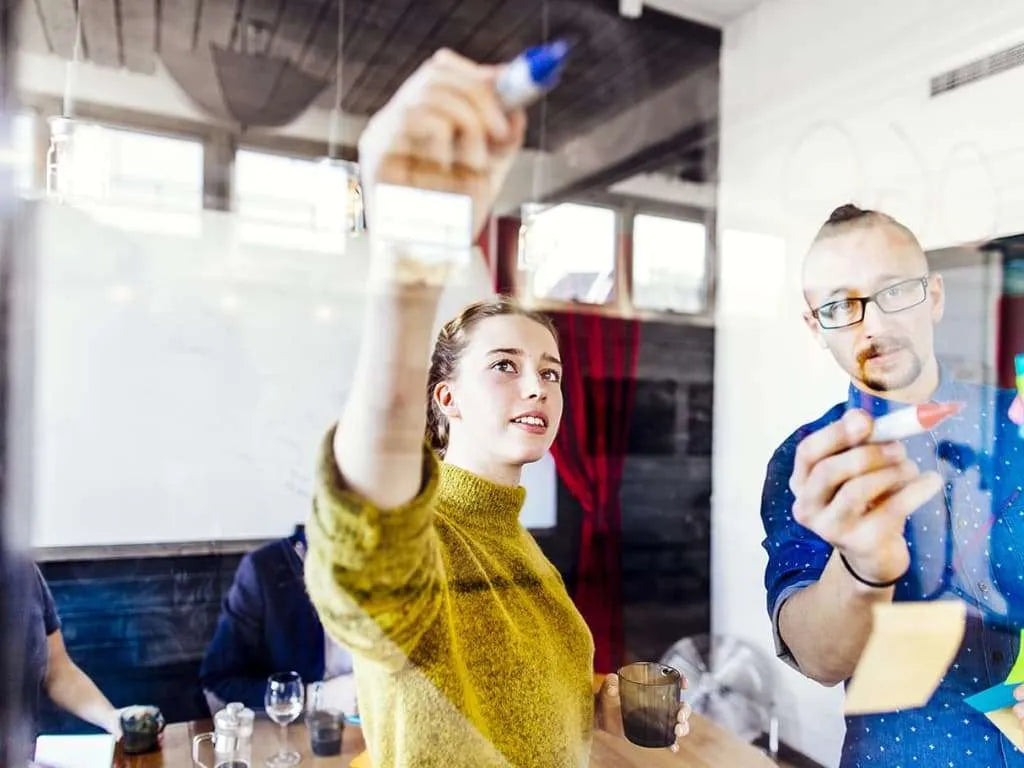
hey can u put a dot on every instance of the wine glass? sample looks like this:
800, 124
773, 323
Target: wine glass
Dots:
284, 702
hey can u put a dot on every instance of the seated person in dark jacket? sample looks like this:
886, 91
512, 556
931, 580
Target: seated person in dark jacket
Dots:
267, 624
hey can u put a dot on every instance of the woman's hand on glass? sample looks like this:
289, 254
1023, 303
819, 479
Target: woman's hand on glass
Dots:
608, 712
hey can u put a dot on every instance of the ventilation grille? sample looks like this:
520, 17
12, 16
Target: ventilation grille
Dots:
977, 70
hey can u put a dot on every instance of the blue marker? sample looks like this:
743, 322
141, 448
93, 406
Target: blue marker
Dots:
531, 74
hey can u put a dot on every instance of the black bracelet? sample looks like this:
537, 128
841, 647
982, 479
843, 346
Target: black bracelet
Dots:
875, 584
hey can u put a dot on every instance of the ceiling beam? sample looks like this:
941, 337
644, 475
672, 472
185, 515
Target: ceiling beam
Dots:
31, 34
178, 24
100, 27
682, 113
370, 45
58, 17
138, 35
217, 21
267, 12
646, 159
321, 47
297, 21
421, 29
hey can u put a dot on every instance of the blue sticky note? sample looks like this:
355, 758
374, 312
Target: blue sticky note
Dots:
353, 719
996, 697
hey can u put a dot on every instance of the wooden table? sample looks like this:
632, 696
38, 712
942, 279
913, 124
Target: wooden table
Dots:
176, 751
707, 746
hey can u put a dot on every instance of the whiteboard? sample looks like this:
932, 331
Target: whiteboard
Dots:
186, 372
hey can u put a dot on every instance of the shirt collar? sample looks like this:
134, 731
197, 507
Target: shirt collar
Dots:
876, 406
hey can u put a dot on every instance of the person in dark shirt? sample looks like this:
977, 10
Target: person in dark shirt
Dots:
49, 669
268, 624
939, 515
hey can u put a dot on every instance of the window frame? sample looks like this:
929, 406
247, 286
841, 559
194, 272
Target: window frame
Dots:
42, 143
522, 281
626, 210
236, 187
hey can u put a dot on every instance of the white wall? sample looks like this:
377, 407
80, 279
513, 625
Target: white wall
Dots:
825, 101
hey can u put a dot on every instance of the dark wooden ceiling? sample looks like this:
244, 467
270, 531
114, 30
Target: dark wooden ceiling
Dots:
617, 62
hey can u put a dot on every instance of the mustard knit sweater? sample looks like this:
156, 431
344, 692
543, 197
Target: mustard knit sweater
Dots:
468, 650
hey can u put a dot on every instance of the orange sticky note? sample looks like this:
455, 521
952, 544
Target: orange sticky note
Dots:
362, 760
1009, 724
907, 654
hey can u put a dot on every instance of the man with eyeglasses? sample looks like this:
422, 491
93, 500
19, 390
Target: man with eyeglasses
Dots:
936, 516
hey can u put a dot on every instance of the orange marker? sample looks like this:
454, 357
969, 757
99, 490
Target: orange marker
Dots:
912, 421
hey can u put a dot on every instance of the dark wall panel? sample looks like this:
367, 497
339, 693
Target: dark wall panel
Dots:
139, 627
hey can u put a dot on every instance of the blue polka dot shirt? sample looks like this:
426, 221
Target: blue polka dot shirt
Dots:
965, 543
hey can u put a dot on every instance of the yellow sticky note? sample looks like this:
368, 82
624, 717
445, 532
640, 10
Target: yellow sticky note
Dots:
1009, 724
362, 760
908, 652
1017, 673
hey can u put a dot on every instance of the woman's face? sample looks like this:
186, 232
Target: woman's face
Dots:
504, 403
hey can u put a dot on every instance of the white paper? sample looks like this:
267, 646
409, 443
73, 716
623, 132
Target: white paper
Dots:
92, 751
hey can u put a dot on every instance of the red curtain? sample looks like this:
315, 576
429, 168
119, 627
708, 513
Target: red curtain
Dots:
1010, 337
599, 356
503, 267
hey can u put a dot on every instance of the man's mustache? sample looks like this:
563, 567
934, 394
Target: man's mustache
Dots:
880, 347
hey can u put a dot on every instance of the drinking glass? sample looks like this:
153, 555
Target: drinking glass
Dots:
650, 703
284, 702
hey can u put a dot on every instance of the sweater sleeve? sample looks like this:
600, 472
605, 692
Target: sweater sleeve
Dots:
374, 575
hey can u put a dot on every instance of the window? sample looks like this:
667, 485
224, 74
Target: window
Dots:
23, 128
139, 181
669, 257
130, 168
573, 253
569, 254
295, 202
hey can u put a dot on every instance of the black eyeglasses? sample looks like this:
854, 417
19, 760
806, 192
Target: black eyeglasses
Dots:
895, 298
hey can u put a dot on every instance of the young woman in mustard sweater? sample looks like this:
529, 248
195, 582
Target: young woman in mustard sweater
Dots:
468, 650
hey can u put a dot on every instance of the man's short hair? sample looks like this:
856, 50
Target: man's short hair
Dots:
847, 212
847, 216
